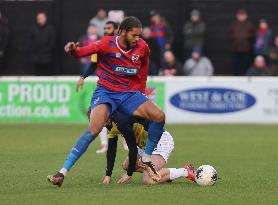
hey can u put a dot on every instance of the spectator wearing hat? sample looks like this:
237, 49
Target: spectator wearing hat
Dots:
161, 31
241, 34
198, 65
170, 65
259, 67
193, 32
273, 58
263, 38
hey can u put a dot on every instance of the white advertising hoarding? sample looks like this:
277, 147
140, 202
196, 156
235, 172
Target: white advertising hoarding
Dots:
221, 100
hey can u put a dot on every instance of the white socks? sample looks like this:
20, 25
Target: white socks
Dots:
177, 173
103, 136
64, 171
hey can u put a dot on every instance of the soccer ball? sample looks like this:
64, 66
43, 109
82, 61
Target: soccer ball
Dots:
206, 175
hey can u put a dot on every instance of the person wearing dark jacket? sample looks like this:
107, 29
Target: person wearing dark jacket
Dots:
193, 33
42, 43
241, 33
259, 68
170, 65
4, 39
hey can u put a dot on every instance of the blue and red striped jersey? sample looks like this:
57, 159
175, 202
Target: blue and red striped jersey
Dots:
119, 70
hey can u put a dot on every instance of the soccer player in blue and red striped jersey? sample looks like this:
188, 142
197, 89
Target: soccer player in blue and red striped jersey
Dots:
123, 62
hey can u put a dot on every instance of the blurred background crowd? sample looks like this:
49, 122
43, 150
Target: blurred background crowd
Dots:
189, 43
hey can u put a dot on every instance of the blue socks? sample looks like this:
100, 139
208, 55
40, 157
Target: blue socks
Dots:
154, 134
78, 149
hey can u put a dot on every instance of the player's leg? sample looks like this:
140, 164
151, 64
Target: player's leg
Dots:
159, 163
160, 157
125, 126
99, 116
139, 105
102, 135
170, 174
151, 112
101, 107
159, 160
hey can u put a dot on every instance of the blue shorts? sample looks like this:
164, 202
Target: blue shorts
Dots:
126, 102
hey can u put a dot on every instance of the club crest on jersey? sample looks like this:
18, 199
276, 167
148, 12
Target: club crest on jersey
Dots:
134, 57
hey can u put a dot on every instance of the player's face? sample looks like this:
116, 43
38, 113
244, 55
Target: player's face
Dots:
132, 36
108, 30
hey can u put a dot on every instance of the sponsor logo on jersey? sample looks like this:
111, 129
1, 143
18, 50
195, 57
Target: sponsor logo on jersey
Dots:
134, 57
125, 70
213, 100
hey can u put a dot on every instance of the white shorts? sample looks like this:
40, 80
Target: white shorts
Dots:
164, 148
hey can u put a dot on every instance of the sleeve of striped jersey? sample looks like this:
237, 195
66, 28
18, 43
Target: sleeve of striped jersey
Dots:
95, 47
144, 70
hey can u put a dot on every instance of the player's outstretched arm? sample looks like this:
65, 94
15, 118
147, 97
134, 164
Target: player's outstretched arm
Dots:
110, 159
74, 49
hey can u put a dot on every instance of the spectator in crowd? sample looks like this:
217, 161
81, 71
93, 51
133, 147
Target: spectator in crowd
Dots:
170, 65
259, 68
161, 31
198, 65
41, 45
273, 58
241, 34
116, 16
99, 21
154, 64
193, 32
4, 39
263, 39
90, 37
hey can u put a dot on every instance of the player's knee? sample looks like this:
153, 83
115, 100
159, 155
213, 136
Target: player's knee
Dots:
160, 117
95, 129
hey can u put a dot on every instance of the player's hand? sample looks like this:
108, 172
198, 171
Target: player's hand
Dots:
71, 46
125, 178
106, 180
79, 84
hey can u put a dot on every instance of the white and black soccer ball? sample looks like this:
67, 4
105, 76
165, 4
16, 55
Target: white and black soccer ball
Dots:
206, 175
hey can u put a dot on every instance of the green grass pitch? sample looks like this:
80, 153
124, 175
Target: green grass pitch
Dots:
245, 157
